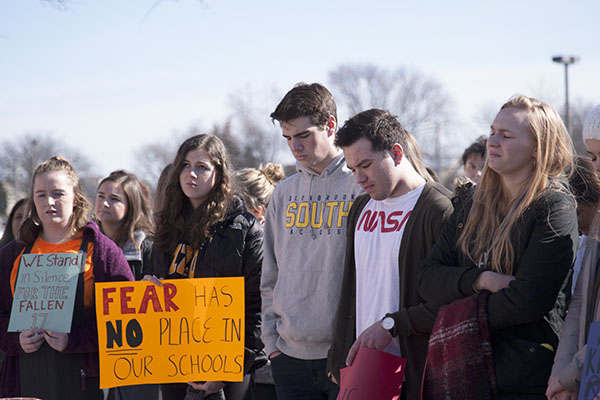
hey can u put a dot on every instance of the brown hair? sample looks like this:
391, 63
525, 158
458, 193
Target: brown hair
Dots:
493, 214
8, 235
138, 216
32, 226
178, 220
584, 183
477, 148
161, 186
304, 100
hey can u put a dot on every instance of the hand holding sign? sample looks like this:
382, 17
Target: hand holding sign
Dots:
31, 340
208, 387
56, 340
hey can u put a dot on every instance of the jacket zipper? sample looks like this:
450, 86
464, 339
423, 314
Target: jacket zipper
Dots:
83, 386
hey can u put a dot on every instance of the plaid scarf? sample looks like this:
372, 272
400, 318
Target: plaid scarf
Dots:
459, 363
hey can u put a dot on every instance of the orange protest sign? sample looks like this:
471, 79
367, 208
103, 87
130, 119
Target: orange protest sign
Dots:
186, 330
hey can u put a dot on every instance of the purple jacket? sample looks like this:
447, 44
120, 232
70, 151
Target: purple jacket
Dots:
109, 265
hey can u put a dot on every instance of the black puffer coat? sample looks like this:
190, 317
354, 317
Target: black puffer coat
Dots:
234, 250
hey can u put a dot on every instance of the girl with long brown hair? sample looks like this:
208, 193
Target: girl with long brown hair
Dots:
515, 236
123, 212
201, 215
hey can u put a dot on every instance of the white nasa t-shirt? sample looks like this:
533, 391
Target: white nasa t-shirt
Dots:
377, 238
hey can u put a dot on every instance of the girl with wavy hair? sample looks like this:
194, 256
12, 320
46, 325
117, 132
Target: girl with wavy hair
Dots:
201, 215
123, 213
513, 236
44, 363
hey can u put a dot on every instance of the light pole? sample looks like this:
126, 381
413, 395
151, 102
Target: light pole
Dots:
566, 60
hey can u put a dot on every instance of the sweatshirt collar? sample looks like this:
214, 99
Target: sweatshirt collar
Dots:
337, 163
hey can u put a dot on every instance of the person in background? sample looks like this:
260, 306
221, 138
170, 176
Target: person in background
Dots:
514, 235
416, 159
13, 222
473, 159
584, 307
122, 211
57, 223
304, 246
257, 186
202, 216
591, 136
159, 195
379, 306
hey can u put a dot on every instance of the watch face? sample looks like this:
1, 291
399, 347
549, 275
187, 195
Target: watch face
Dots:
387, 323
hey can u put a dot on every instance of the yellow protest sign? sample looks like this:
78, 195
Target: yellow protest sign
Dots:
186, 330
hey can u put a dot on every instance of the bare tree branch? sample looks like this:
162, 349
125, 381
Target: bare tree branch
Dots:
61, 5
19, 158
413, 97
418, 101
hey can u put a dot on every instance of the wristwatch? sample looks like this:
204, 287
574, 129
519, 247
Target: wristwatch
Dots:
389, 324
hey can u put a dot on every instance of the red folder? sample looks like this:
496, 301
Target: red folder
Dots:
373, 374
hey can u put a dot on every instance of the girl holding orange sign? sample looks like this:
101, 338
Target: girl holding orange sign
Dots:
203, 217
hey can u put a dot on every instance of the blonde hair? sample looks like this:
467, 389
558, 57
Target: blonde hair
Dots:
257, 185
493, 213
33, 226
415, 157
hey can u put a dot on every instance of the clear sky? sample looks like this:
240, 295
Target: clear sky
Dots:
108, 75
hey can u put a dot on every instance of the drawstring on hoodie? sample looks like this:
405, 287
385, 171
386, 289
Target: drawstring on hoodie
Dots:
312, 230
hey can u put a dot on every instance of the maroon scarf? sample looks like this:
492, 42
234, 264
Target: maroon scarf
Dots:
459, 363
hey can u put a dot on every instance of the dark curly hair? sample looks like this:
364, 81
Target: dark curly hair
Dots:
178, 220
477, 147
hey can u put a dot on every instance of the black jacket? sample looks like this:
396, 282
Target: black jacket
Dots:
525, 318
235, 249
139, 258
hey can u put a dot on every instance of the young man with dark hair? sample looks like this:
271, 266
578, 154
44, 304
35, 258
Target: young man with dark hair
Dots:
390, 230
473, 159
304, 244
